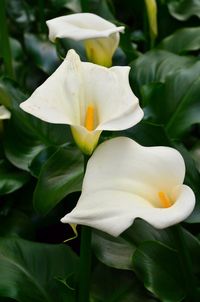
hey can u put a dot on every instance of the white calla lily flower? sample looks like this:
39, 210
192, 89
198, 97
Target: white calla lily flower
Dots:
88, 97
101, 37
4, 113
125, 180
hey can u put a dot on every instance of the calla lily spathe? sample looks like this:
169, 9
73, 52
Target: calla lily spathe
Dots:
88, 97
125, 180
101, 37
4, 113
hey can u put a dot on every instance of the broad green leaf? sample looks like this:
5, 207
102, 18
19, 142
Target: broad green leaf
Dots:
50, 134
148, 134
20, 147
192, 179
184, 9
25, 135
101, 8
175, 104
127, 46
40, 159
183, 40
141, 231
195, 153
11, 179
158, 267
29, 271
181, 101
192, 244
114, 285
16, 223
42, 52
155, 66
62, 174
114, 252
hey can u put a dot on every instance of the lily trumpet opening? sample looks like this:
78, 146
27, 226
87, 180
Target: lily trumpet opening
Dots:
100, 37
125, 180
88, 97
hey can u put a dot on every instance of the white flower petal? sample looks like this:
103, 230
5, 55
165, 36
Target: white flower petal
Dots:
110, 92
77, 86
101, 37
122, 182
4, 113
137, 168
113, 211
57, 100
81, 26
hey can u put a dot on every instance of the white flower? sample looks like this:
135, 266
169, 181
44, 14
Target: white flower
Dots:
4, 113
101, 37
88, 97
124, 181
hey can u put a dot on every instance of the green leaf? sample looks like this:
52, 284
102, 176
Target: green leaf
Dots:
175, 103
16, 223
141, 231
184, 9
29, 270
114, 285
114, 252
25, 135
195, 153
101, 8
155, 66
20, 147
11, 179
62, 174
42, 52
181, 100
193, 246
183, 40
40, 159
148, 134
158, 267
192, 179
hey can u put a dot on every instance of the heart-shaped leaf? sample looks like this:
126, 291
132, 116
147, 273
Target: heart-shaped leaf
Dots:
159, 268
62, 174
183, 40
30, 271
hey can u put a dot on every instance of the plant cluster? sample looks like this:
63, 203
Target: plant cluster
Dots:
100, 150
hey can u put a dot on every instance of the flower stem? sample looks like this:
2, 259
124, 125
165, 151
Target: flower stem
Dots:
185, 261
85, 264
85, 259
4, 41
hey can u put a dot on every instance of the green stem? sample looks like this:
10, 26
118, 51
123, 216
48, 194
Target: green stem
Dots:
85, 259
4, 41
185, 261
85, 264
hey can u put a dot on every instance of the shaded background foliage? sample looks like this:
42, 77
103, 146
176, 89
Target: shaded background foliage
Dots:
41, 169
